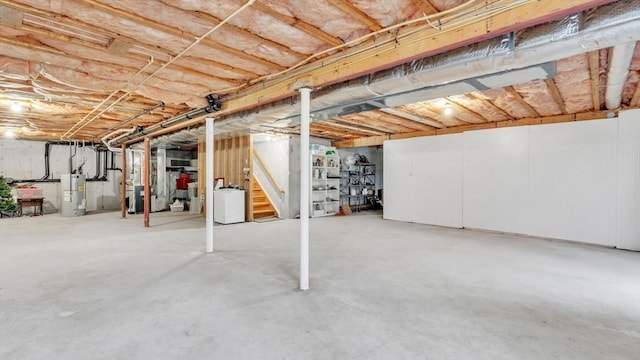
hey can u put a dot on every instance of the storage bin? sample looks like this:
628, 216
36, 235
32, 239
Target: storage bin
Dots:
28, 193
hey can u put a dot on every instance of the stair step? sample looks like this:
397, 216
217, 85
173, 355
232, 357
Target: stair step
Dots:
262, 207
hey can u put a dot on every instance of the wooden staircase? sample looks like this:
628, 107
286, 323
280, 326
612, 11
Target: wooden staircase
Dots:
262, 207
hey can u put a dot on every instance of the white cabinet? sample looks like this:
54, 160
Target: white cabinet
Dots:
325, 182
228, 206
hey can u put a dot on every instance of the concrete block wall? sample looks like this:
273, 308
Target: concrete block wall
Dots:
24, 160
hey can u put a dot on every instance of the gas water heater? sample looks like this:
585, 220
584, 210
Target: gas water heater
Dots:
73, 195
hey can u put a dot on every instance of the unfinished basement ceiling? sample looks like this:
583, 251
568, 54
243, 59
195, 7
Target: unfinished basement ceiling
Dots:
82, 69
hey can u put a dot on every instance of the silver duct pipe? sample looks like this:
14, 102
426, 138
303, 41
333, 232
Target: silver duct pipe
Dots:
475, 67
618, 70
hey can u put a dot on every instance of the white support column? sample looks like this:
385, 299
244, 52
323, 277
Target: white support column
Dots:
305, 170
209, 183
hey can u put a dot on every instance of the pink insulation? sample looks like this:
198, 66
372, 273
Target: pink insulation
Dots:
388, 12
256, 21
361, 119
574, 83
83, 12
506, 101
633, 79
537, 95
489, 112
193, 24
429, 110
446, 4
413, 125
13, 69
130, 66
323, 16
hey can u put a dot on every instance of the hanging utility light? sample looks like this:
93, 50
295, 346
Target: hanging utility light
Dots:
15, 107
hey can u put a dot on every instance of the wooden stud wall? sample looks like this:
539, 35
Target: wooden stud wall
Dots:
230, 156
202, 171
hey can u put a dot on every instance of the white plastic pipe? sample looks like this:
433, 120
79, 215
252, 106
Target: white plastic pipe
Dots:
305, 169
209, 185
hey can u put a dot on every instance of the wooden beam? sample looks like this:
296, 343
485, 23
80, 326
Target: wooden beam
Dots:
636, 97
594, 70
141, 58
247, 33
478, 118
298, 24
399, 121
491, 105
359, 124
147, 180
378, 140
425, 6
356, 13
100, 32
360, 121
399, 48
180, 33
377, 122
521, 101
250, 153
123, 182
328, 131
413, 117
556, 94
356, 129
366, 141
202, 169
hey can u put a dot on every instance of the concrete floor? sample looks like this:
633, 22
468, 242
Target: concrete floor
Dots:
100, 287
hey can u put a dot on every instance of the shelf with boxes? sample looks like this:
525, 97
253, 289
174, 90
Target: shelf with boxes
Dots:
325, 181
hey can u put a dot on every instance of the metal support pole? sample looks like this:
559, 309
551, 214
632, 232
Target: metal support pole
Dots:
147, 180
305, 169
123, 180
209, 183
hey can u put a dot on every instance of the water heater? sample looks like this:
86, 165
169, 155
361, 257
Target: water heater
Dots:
73, 195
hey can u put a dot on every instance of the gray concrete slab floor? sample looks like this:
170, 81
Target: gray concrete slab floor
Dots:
101, 287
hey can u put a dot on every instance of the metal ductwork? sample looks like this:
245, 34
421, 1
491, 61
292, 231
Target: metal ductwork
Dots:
519, 57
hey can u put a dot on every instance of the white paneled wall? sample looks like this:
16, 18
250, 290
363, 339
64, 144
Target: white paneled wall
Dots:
495, 179
423, 180
572, 181
628, 210
576, 181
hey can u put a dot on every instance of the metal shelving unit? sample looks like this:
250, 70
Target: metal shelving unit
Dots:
358, 186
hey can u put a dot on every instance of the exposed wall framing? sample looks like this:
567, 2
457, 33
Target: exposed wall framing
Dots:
231, 156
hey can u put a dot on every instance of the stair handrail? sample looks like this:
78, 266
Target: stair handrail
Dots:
268, 172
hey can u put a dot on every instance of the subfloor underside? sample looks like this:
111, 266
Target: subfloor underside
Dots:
100, 287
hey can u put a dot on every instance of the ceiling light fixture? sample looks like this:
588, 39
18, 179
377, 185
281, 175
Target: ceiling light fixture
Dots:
9, 134
448, 110
15, 107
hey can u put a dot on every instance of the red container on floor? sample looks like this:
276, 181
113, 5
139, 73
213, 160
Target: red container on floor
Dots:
182, 182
